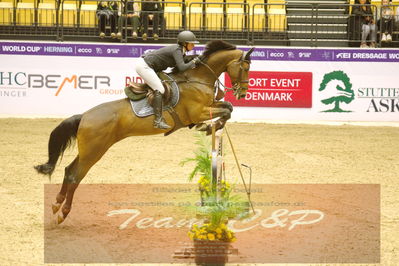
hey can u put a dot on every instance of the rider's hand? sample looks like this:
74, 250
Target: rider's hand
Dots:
197, 61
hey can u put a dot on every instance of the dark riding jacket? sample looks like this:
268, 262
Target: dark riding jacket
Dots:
169, 56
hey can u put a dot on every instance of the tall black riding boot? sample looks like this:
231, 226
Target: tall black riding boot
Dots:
159, 122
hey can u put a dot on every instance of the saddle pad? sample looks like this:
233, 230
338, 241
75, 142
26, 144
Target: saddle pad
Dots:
141, 108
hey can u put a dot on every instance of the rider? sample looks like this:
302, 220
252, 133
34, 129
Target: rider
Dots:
161, 59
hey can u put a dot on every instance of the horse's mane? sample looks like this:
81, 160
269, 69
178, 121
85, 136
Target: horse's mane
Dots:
210, 48
217, 45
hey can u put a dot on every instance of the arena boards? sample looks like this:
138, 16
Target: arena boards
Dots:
296, 84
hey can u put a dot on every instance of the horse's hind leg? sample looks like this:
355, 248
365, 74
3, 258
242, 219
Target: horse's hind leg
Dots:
75, 172
62, 194
78, 169
66, 208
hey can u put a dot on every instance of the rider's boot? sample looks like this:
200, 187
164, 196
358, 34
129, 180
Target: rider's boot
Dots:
159, 122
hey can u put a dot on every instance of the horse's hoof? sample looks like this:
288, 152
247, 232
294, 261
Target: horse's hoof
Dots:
55, 207
201, 127
60, 219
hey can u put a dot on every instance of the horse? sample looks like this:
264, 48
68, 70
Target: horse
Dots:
96, 130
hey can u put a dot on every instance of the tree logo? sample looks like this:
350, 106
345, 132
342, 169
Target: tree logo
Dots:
337, 88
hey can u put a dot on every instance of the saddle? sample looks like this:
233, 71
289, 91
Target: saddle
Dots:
142, 107
137, 91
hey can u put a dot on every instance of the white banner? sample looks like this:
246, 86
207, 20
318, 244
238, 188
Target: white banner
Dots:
341, 91
60, 86
47, 86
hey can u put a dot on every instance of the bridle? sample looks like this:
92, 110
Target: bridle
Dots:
236, 88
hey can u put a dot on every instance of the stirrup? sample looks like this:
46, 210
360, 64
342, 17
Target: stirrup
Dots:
161, 124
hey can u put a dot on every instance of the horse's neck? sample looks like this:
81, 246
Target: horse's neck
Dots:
217, 63
219, 60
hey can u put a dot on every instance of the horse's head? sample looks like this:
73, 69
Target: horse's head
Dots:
238, 70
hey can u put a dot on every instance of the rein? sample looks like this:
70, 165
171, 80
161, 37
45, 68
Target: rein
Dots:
218, 82
237, 85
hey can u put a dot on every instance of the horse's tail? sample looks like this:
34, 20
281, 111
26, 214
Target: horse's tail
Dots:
60, 139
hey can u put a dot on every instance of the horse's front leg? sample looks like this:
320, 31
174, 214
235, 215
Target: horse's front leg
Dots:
211, 112
223, 104
219, 104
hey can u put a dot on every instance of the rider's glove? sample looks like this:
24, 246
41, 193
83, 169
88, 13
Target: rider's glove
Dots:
197, 61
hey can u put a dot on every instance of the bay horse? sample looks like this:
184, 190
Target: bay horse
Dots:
99, 128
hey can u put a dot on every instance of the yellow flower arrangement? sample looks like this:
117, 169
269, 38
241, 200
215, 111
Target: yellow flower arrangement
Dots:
217, 205
224, 187
204, 184
209, 232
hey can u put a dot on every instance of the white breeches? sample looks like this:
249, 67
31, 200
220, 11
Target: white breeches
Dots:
149, 76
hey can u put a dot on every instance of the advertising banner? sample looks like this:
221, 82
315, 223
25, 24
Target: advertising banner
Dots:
307, 84
60, 85
275, 89
341, 91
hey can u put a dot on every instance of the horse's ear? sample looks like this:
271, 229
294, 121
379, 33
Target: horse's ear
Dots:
247, 55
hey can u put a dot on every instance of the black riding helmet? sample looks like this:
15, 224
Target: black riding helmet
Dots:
186, 37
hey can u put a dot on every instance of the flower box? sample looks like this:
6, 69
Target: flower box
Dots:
211, 252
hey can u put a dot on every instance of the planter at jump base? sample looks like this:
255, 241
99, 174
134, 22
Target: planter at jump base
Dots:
211, 252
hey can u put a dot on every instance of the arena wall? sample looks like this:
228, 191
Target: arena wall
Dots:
293, 84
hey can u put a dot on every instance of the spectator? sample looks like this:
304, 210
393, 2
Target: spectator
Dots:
151, 10
132, 16
396, 26
107, 11
367, 23
396, 18
386, 19
355, 25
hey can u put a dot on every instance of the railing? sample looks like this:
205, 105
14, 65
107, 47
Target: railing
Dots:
239, 22
218, 20
78, 19
352, 30
269, 24
28, 19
